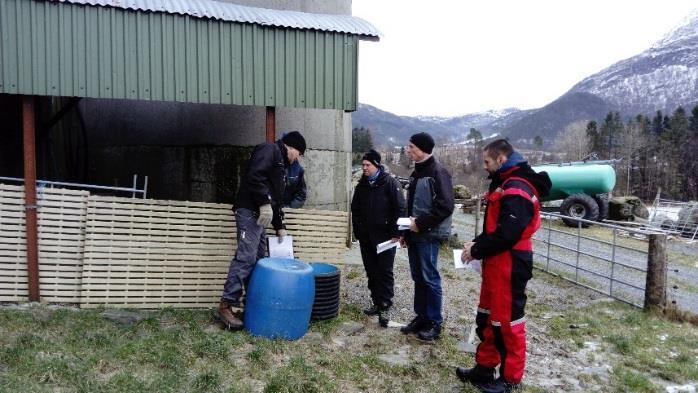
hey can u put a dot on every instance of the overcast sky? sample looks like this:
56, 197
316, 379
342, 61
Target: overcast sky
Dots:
450, 58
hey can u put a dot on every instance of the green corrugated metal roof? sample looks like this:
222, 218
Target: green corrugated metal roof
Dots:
62, 49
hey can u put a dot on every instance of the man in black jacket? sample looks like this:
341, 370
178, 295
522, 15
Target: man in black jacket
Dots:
375, 208
259, 203
429, 205
296, 190
506, 250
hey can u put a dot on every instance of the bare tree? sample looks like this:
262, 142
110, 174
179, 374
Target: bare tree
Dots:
572, 142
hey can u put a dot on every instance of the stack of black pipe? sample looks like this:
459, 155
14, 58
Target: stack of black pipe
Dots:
326, 305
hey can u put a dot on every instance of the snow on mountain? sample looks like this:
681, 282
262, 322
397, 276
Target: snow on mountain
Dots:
662, 77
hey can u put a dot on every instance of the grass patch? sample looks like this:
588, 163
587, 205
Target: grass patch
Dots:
646, 344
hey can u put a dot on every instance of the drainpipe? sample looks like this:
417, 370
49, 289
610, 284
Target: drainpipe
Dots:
29, 131
271, 124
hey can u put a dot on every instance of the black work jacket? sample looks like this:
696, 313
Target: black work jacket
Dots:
265, 180
376, 207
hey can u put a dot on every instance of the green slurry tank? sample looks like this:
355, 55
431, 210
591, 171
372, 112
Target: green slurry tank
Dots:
583, 187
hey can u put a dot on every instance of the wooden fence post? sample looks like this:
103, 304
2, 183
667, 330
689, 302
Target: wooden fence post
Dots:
655, 286
478, 206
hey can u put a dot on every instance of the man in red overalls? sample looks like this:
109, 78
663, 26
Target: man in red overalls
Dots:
512, 217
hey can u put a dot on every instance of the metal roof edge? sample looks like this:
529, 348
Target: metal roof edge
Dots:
238, 13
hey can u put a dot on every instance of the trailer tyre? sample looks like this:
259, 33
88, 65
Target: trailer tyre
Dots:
579, 206
602, 201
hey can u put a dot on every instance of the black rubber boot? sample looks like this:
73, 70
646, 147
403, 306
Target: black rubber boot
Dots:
499, 385
431, 332
415, 326
475, 375
384, 317
371, 311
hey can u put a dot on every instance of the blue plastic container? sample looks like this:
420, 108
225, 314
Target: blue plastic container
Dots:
323, 269
280, 298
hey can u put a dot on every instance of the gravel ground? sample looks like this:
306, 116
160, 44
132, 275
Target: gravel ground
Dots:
552, 366
549, 366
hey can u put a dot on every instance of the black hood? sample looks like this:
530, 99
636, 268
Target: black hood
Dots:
541, 181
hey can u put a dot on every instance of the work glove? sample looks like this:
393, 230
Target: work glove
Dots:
280, 234
265, 215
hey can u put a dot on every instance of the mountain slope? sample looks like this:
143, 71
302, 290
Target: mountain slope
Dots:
662, 77
393, 130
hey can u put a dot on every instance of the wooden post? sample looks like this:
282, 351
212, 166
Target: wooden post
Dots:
655, 286
271, 124
477, 215
30, 207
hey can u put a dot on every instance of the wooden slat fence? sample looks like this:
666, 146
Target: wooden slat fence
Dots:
61, 216
136, 253
150, 253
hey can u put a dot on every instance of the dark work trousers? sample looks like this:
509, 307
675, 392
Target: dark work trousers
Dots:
379, 270
252, 246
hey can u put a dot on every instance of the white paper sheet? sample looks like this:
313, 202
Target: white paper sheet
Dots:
283, 249
403, 223
386, 245
474, 265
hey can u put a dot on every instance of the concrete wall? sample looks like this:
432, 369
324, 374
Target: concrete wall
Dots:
197, 151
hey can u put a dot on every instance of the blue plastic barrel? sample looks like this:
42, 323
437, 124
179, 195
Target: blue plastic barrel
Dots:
280, 298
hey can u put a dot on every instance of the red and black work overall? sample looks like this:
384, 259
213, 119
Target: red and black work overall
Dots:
500, 318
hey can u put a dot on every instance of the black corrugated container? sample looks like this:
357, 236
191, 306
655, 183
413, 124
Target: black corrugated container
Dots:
327, 279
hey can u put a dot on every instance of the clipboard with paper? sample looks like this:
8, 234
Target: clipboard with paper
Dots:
474, 265
281, 250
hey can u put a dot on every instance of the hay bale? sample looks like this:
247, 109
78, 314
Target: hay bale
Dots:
689, 214
627, 208
461, 192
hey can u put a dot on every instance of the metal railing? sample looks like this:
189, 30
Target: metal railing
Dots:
676, 217
607, 267
134, 190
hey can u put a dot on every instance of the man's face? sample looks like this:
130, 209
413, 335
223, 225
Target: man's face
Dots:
414, 153
368, 168
492, 164
292, 153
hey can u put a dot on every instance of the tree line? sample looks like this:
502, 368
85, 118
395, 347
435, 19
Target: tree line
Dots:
656, 151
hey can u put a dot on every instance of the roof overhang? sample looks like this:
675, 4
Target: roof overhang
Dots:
198, 51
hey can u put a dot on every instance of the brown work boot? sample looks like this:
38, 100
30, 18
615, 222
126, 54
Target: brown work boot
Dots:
230, 320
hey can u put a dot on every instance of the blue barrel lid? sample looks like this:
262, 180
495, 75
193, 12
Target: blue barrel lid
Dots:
321, 269
285, 264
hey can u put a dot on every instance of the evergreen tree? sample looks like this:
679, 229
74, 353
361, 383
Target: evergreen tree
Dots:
689, 159
657, 126
693, 121
361, 140
474, 135
611, 135
593, 137
538, 141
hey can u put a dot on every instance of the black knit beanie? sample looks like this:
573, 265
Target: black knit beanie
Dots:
295, 140
373, 157
423, 141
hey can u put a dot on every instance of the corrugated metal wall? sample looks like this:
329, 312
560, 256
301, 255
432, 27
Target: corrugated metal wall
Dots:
60, 49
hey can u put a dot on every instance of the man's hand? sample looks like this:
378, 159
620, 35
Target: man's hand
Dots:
394, 239
265, 215
413, 225
402, 241
280, 234
466, 257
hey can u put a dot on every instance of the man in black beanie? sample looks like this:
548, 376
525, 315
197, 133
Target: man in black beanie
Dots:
429, 205
375, 208
259, 203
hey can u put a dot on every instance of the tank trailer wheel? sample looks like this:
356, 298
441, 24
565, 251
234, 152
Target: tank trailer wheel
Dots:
579, 206
602, 201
